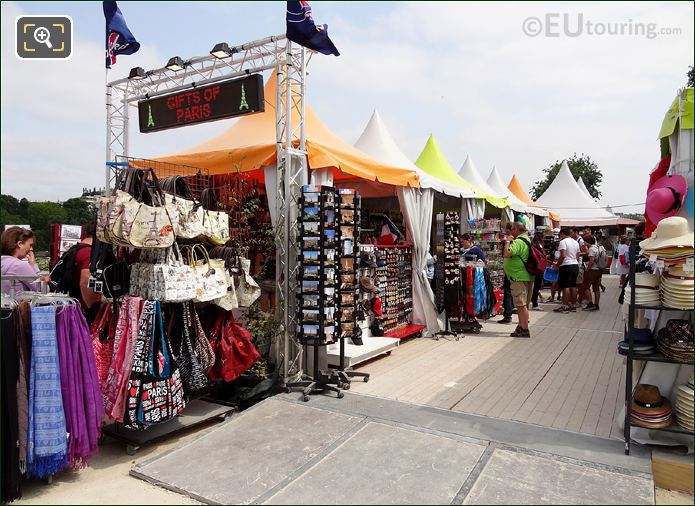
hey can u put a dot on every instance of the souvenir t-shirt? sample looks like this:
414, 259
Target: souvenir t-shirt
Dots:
571, 249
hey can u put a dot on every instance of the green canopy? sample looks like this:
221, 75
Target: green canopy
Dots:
678, 109
432, 161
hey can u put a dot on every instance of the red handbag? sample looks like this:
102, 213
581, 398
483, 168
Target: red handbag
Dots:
103, 331
234, 351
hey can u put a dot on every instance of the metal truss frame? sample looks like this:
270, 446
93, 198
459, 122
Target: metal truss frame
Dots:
275, 52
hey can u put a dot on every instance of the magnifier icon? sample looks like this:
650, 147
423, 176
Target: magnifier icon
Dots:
43, 36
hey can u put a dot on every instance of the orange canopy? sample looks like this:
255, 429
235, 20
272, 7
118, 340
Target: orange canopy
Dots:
518, 190
250, 144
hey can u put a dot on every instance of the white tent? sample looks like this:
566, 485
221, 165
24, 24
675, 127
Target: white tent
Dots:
575, 206
377, 142
494, 181
416, 206
471, 174
582, 186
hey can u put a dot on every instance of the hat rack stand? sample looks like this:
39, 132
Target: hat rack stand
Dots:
631, 357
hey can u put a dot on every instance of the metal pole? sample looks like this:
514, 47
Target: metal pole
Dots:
109, 90
279, 225
288, 202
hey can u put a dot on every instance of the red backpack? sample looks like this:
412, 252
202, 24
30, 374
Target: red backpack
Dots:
537, 261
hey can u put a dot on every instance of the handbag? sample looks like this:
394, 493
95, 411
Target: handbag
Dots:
209, 275
215, 223
162, 275
103, 332
187, 215
234, 350
247, 290
155, 387
202, 345
192, 370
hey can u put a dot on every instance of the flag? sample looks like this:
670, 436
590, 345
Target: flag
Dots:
389, 232
302, 30
119, 40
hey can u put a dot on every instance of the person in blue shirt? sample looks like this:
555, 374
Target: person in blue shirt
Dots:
469, 251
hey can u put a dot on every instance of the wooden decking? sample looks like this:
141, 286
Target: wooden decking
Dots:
568, 375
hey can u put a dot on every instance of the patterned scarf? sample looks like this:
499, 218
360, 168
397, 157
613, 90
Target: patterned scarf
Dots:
47, 437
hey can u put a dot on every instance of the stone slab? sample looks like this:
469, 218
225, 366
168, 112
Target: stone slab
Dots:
244, 458
384, 464
515, 478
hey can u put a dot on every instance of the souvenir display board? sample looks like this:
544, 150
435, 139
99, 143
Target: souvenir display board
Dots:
395, 279
348, 216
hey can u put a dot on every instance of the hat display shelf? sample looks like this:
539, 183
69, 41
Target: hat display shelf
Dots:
318, 282
348, 216
632, 356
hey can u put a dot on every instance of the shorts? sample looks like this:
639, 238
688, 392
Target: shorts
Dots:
521, 293
592, 279
568, 276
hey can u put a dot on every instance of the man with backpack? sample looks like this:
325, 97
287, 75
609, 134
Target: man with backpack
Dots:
71, 274
598, 260
516, 255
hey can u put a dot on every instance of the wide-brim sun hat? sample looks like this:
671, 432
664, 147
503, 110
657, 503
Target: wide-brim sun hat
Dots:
666, 197
670, 232
646, 279
648, 401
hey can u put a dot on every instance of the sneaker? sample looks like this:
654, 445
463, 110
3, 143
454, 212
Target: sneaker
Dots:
588, 307
603, 289
572, 309
593, 307
519, 332
536, 308
561, 309
505, 320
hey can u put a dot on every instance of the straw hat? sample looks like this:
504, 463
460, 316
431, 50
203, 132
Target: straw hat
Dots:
672, 231
665, 197
646, 279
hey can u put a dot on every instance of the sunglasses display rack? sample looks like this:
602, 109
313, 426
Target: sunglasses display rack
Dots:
633, 356
394, 277
348, 216
486, 232
317, 279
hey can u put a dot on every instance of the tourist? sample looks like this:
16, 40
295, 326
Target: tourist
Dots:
538, 281
470, 251
568, 265
18, 259
593, 274
623, 267
89, 299
555, 293
507, 303
577, 234
516, 254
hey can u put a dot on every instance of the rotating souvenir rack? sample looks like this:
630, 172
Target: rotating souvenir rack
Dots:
395, 278
486, 233
317, 280
349, 205
447, 267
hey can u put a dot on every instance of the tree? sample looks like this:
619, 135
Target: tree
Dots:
41, 216
580, 166
79, 212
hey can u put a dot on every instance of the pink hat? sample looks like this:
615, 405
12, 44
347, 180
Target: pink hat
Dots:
665, 197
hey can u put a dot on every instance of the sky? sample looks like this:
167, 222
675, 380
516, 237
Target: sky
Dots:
465, 71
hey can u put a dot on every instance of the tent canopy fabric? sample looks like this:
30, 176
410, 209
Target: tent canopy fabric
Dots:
518, 190
576, 208
377, 142
495, 182
682, 107
583, 188
471, 174
250, 144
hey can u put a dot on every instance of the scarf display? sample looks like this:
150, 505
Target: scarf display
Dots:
47, 437
11, 476
82, 400
22, 327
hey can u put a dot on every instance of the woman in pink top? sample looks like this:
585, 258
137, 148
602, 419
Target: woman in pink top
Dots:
18, 245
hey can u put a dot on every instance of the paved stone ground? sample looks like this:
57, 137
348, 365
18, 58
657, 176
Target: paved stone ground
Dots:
365, 450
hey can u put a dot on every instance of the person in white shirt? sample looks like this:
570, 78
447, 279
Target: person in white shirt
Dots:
623, 267
568, 264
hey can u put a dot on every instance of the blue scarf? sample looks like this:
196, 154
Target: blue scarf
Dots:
47, 438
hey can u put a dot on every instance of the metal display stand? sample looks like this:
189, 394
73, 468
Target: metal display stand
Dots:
318, 263
196, 413
655, 357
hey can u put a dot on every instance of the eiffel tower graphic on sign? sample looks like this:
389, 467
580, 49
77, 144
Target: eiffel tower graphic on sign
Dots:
150, 119
244, 105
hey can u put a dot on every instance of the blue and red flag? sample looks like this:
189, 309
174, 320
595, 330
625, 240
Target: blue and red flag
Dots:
302, 30
119, 39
